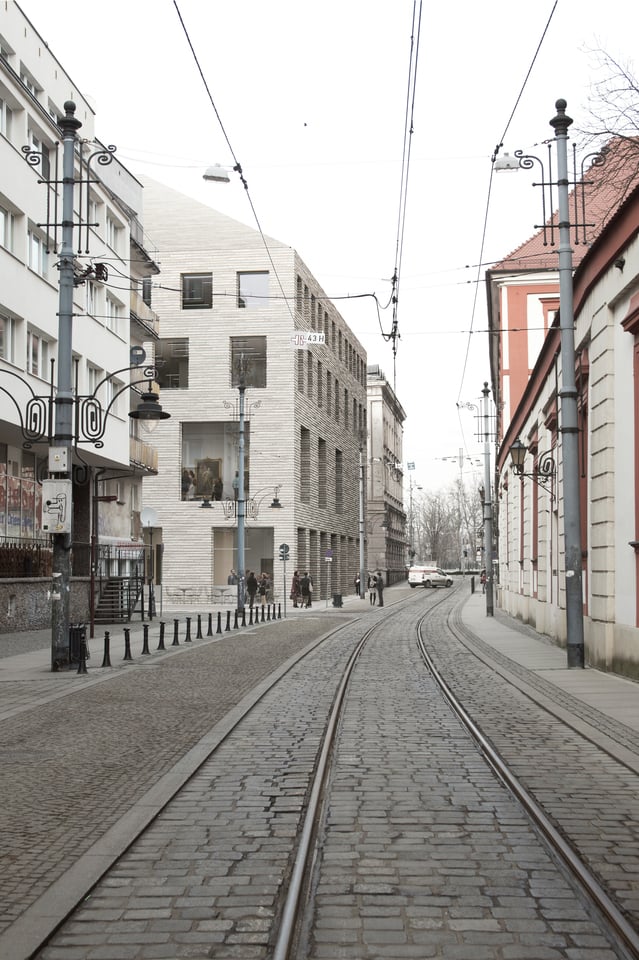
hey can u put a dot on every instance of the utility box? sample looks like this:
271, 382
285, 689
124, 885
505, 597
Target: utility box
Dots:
337, 600
56, 506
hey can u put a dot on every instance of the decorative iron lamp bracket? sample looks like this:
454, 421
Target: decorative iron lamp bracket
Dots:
544, 470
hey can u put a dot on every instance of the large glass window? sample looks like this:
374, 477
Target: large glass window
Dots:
252, 290
197, 291
248, 361
172, 362
210, 457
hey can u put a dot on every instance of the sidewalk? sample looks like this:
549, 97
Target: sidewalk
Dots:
614, 696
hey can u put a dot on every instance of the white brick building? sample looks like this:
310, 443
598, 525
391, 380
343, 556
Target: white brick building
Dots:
222, 295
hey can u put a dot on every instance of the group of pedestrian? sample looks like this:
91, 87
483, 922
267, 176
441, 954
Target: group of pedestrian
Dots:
258, 586
302, 590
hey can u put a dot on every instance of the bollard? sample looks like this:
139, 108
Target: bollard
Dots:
209, 632
145, 642
187, 638
198, 635
262, 614
106, 660
251, 618
243, 616
235, 621
472, 584
268, 612
127, 644
228, 620
82, 661
176, 628
161, 643
279, 611
219, 622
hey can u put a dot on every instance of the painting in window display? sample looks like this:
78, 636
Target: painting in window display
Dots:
13, 505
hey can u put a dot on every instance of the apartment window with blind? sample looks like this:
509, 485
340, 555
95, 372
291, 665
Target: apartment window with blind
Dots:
6, 228
37, 354
6, 118
38, 253
7, 338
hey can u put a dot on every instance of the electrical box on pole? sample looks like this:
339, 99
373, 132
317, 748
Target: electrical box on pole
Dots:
56, 506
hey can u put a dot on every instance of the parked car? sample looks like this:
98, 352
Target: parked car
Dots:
428, 577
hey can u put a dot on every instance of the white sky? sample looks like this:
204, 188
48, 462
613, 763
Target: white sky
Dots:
312, 96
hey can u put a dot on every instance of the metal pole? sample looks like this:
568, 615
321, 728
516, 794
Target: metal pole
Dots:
362, 561
63, 435
488, 508
568, 406
240, 496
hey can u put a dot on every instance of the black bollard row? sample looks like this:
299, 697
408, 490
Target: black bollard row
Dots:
187, 638
209, 632
228, 620
82, 662
219, 622
176, 629
127, 644
263, 615
198, 635
106, 660
279, 611
161, 641
235, 621
145, 642
243, 616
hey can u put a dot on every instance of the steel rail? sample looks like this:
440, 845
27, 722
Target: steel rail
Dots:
624, 931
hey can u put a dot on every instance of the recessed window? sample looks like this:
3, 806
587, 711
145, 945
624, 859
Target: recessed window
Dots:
248, 361
172, 362
114, 314
6, 229
7, 338
38, 254
197, 291
114, 234
252, 290
6, 116
37, 354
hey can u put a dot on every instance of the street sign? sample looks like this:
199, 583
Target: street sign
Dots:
284, 551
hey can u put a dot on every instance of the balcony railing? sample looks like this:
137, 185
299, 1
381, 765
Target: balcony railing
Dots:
143, 312
143, 455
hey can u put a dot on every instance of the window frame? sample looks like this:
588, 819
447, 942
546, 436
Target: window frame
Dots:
201, 301
252, 299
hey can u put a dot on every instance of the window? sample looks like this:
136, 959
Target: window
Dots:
339, 481
320, 384
92, 291
29, 81
6, 117
38, 254
114, 232
37, 354
7, 338
248, 361
6, 229
197, 291
37, 144
252, 290
172, 362
94, 375
305, 465
114, 314
209, 460
147, 287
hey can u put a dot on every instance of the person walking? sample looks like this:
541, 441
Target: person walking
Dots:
380, 588
305, 590
263, 589
358, 584
251, 588
482, 580
296, 592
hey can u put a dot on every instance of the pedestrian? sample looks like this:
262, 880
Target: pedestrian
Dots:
296, 592
372, 588
305, 590
251, 588
482, 580
236, 485
357, 585
310, 590
380, 588
232, 578
263, 589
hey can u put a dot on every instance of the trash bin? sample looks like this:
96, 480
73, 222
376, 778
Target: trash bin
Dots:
77, 637
337, 600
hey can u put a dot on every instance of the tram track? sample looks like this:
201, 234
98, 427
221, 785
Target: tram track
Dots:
297, 797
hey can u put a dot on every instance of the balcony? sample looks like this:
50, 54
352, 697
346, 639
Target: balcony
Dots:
144, 313
143, 455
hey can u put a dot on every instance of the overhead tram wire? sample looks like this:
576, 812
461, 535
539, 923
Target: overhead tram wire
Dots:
237, 167
490, 184
394, 335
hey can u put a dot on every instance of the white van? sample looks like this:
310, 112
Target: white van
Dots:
429, 576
